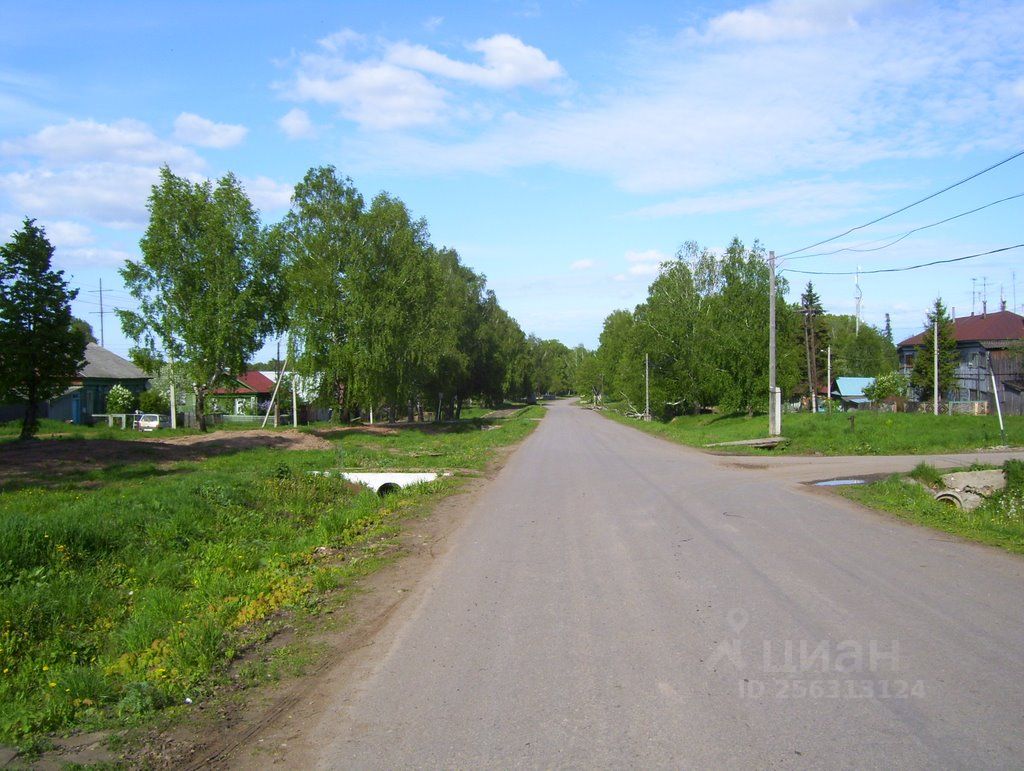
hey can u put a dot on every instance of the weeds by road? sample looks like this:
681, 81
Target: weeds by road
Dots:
869, 433
999, 521
127, 591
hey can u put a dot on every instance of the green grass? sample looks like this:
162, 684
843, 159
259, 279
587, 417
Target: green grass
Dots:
999, 521
446, 447
873, 433
927, 474
128, 592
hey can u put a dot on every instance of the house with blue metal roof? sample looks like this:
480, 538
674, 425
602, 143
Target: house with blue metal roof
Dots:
850, 391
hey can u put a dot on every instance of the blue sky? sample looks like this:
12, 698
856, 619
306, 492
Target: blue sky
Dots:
562, 148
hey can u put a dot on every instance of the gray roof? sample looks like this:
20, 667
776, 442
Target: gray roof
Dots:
101, 363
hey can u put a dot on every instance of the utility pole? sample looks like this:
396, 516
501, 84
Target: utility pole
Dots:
295, 404
828, 385
858, 295
174, 407
935, 363
774, 399
103, 343
647, 386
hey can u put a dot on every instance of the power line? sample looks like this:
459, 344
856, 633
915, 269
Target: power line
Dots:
899, 270
904, 208
909, 232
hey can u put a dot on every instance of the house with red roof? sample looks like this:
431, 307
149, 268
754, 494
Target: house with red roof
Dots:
242, 395
989, 344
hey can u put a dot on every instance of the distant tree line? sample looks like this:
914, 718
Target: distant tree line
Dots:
704, 327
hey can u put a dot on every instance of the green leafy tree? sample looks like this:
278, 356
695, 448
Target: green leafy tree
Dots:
612, 346
42, 351
741, 333
391, 303
863, 353
208, 284
86, 329
889, 385
154, 401
588, 380
498, 355
323, 236
704, 327
454, 322
923, 373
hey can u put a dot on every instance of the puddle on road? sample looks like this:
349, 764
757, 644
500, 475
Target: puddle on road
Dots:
838, 482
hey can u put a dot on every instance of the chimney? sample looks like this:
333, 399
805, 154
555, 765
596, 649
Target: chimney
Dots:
1002, 305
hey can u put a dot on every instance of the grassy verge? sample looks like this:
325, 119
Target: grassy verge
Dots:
872, 433
999, 521
125, 594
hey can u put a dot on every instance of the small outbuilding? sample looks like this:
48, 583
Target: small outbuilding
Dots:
850, 391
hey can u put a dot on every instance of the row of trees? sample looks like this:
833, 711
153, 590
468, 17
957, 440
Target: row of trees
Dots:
376, 315
704, 328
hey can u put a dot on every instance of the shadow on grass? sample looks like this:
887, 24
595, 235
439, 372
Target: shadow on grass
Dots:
57, 462
384, 429
91, 480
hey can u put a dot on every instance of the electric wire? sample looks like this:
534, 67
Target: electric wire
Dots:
908, 233
904, 208
898, 270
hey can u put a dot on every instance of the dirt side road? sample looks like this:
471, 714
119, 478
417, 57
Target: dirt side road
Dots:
614, 600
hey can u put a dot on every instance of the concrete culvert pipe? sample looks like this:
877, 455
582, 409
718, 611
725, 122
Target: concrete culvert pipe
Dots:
387, 488
950, 497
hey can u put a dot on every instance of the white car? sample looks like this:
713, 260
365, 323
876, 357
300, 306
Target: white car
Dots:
148, 422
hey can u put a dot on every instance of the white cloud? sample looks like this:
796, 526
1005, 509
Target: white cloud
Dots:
196, 130
433, 23
110, 193
648, 255
375, 95
693, 115
339, 40
67, 234
296, 124
784, 20
92, 257
793, 202
508, 63
126, 141
582, 265
644, 263
266, 194
643, 269
394, 85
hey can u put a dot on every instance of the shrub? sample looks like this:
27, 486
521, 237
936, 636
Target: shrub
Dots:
891, 384
120, 399
154, 401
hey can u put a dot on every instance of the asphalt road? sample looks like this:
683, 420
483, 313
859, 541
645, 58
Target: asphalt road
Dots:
618, 601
